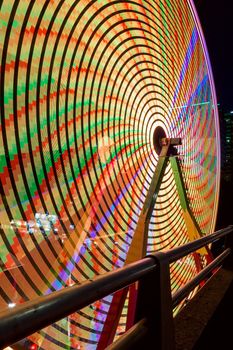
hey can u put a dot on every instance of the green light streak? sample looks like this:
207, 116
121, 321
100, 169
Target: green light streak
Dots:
22, 88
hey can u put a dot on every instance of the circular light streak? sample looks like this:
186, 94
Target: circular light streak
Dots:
84, 86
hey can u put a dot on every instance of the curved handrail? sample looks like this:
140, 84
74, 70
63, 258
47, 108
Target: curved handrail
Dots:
178, 296
183, 250
31, 316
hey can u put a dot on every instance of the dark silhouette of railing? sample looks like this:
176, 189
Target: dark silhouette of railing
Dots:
155, 302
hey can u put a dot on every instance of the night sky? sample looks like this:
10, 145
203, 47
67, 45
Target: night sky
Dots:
217, 23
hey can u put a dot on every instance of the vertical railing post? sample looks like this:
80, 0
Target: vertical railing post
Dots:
154, 303
228, 263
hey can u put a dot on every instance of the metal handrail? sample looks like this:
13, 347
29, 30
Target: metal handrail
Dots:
183, 250
178, 296
31, 316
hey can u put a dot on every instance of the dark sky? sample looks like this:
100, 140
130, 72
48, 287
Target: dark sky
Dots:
216, 18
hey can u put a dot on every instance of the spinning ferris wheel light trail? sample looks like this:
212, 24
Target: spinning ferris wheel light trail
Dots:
88, 90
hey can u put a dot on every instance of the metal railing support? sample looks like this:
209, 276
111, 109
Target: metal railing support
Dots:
179, 295
154, 303
228, 243
31, 316
154, 327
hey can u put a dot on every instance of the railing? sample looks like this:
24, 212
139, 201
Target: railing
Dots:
155, 302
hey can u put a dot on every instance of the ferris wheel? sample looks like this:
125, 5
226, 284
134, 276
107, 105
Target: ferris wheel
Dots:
109, 150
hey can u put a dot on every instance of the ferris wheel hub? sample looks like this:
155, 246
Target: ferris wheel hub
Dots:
159, 134
163, 145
